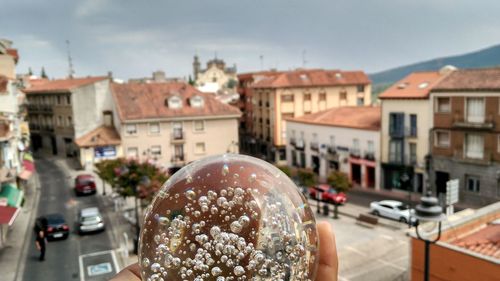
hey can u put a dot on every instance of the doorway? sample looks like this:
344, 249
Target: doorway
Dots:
315, 164
370, 177
356, 173
54, 145
441, 179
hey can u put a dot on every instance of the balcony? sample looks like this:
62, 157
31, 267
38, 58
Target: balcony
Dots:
369, 155
471, 123
331, 149
177, 159
177, 136
314, 146
46, 108
292, 141
411, 132
473, 158
267, 104
395, 132
260, 103
300, 144
355, 153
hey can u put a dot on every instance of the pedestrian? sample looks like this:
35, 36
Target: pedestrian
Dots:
41, 243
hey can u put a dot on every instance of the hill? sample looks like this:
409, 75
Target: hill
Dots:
488, 57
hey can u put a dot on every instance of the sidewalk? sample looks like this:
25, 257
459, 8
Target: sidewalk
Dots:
119, 211
19, 236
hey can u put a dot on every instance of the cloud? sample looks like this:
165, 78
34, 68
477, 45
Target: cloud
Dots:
88, 8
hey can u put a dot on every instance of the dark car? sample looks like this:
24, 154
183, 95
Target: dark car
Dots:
85, 184
54, 226
327, 193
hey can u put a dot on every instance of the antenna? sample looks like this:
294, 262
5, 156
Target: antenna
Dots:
71, 71
304, 61
261, 57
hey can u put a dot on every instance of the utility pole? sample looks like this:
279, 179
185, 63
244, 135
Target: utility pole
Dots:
70, 62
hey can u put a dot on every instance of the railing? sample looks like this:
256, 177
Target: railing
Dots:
470, 157
177, 135
177, 158
267, 104
355, 152
300, 144
331, 149
466, 122
411, 132
292, 141
369, 155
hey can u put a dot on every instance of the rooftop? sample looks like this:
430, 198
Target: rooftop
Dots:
60, 85
313, 77
417, 85
483, 79
485, 241
101, 136
358, 117
149, 101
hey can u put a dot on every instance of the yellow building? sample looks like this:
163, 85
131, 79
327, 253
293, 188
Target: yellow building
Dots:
299, 92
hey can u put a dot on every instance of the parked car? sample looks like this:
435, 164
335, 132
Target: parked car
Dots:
54, 226
393, 209
85, 184
90, 220
327, 193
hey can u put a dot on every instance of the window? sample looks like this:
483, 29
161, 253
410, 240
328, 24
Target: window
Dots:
132, 152
413, 125
68, 99
154, 128
360, 101
307, 97
355, 147
131, 129
370, 147
361, 88
294, 158
413, 153
70, 121
174, 102
443, 105
177, 130
472, 183
396, 124
59, 121
474, 146
498, 143
179, 152
396, 151
196, 101
442, 139
322, 96
282, 154
58, 99
475, 110
156, 150
199, 125
287, 98
200, 148
343, 95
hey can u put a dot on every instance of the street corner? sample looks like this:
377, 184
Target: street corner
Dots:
98, 266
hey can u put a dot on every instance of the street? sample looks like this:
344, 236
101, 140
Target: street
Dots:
65, 259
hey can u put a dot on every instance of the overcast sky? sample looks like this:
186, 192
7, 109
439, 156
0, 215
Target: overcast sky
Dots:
133, 38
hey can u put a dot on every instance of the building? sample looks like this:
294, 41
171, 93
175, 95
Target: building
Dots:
299, 92
466, 134
216, 77
158, 76
406, 121
63, 110
468, 250
245, 104
173, 124
345, 139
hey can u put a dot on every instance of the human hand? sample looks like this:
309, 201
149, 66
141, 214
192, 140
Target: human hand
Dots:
327, 267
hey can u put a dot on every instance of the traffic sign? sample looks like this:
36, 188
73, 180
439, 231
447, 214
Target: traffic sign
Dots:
452, 191
99, 269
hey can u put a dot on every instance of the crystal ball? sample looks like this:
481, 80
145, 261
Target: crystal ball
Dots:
228, 217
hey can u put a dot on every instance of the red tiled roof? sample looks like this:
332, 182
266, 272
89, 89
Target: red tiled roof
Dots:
485, 79
61, 85
358, 117
136, 101
313, 77
14, 53
8, 215
248, 75
417, 85
486, 241
101, 136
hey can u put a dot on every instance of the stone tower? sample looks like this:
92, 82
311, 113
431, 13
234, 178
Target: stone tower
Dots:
196, 67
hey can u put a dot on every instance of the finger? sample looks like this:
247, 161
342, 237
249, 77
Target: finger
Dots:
328, 260
130, 273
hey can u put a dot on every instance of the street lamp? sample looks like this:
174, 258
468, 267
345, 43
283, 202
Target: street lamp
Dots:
429, 211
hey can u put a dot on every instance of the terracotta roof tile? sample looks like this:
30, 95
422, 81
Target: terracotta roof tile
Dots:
14, 53
358, 117
485, 241
417, 85
136, 101
313, 77
61, 85
101, 136
485, 79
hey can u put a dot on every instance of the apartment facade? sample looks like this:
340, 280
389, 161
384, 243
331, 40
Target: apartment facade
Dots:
63, 110
173, 124
345, 139
466, 134
295, 93
406, 121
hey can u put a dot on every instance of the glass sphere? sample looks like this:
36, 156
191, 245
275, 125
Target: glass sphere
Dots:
229, 217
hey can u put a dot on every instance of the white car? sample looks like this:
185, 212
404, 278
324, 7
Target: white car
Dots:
393, 209
90, 220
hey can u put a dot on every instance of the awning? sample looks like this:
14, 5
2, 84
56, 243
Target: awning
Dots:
13, 195
28, 168
8, 215
25, 175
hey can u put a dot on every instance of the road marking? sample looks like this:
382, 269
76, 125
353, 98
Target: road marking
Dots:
99, 269
81, 257
356, 251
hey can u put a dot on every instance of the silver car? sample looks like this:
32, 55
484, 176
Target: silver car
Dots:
393, 209
90, 220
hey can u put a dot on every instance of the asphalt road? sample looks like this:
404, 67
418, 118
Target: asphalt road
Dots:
64, 258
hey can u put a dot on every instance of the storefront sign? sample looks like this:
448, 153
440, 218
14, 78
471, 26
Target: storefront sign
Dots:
104, 151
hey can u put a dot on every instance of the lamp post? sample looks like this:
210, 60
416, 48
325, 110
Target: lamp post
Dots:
429, 211
404, 182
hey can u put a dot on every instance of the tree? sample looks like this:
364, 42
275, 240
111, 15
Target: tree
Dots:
339, 181
306, 176
43, 74
231, 83
285, 169
30, 72
191, 81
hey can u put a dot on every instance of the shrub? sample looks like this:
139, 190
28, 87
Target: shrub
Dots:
339, 181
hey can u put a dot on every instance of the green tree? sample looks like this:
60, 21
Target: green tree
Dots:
191, 81
231, 83
285, 169
43, 74
306, 176
339, 181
